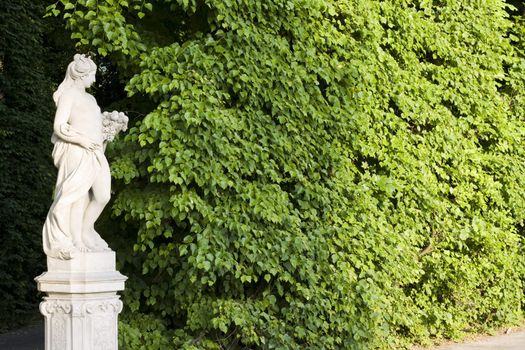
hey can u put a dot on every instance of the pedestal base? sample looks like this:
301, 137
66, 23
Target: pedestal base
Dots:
81, 322
82, 306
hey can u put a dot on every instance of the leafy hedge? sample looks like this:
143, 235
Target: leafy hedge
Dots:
316, 174
26, 169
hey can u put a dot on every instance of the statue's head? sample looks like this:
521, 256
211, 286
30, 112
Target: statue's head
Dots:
82, 68
79, 72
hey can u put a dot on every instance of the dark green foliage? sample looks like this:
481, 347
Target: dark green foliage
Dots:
26, 171
317, 174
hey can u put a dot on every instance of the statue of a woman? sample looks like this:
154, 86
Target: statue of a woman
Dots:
83, 182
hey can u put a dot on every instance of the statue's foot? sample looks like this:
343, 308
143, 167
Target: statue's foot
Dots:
103, 246
81, 247
100, 245
66, 254
93, 240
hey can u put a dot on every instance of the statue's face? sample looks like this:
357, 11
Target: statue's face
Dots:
89, 79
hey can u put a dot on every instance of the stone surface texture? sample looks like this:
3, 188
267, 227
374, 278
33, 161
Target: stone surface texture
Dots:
82, 306
514, 341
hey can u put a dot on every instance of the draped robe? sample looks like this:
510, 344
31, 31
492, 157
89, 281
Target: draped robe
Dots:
77, 171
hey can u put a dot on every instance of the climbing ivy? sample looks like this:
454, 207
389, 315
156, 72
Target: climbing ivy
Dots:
315, 174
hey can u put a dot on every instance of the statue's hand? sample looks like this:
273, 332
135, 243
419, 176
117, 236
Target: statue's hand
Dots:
88, 144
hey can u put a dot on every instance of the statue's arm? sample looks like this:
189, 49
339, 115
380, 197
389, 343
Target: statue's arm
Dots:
62, 128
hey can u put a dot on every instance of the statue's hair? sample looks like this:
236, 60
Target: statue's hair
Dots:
80, 67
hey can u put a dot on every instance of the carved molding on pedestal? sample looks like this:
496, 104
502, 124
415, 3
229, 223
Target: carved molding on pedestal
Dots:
55, 306
48, 308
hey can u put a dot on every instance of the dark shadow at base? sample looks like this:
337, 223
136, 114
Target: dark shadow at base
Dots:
27, 338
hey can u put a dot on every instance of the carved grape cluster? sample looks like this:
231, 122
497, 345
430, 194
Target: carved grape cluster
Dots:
113, 123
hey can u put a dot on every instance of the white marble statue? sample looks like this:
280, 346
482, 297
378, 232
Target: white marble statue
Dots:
83, 182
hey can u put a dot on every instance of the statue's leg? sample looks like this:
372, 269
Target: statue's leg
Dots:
76, 219
100, 195
67, 214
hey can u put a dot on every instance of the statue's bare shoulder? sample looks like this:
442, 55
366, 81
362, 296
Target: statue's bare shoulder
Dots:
71, 96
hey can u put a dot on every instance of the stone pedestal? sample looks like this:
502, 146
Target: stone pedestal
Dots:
82, 306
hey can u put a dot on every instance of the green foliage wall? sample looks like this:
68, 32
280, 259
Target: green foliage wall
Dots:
26, 170
316, 174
